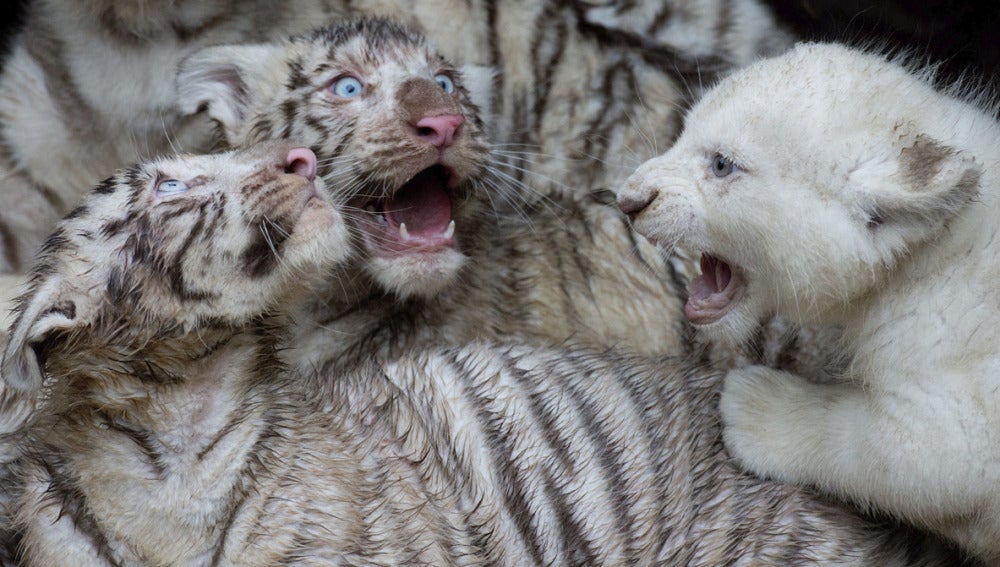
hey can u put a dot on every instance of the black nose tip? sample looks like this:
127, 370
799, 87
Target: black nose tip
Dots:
632, 205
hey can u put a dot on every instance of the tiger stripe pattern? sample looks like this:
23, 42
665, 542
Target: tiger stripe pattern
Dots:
550, 271
148, 302
583, 90
196, 446
582, 93
87, 89
65, 123
478, 455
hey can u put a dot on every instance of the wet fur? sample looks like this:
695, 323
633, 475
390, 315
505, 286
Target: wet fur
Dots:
567, 266
435, 458
87, 89
580, 95
176, 435
151, 310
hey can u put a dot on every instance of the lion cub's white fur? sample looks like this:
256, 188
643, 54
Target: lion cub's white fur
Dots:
846, 190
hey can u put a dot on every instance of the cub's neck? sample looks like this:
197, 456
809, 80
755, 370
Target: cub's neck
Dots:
178, 391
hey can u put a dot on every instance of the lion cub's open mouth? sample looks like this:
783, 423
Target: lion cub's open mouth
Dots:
712, 294
414, 218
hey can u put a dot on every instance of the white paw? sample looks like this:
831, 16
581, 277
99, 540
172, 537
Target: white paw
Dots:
763, 421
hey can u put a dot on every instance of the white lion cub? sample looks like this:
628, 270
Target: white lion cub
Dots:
835, 187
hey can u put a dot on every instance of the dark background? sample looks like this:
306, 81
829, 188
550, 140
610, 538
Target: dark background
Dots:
964, 36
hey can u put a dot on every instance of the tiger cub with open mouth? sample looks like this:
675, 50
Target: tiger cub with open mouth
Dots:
400, 136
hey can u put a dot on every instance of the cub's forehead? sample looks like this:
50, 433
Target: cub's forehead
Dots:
130, 191
814, 89
812, 71
138, 179
220, 172
371, 42
378, 33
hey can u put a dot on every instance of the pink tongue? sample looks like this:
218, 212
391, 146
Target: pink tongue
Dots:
422, 204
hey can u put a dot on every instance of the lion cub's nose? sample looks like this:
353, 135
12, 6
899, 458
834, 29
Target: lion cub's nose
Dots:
634, 203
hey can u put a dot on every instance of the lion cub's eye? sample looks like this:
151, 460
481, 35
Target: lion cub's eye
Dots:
722, 166
446, 83
171, 187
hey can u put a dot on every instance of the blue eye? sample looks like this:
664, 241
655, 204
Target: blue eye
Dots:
171, 186
722, 166
446, 83
347, 87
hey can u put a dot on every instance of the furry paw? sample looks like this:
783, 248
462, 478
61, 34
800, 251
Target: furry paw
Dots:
767, 421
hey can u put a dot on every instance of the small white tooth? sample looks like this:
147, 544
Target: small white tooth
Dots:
380, 218
450, 231
403, 232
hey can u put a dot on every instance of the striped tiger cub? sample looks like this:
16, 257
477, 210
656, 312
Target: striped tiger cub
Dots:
583, 92
143, 348
88, 88
168, 432
400, 136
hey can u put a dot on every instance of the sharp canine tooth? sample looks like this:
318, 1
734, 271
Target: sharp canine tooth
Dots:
450, 231
403, 232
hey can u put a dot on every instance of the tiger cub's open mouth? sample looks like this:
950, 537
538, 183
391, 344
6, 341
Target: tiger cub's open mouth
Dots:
415, 218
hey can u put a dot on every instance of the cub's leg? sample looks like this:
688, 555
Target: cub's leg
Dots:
781, 426
928, 458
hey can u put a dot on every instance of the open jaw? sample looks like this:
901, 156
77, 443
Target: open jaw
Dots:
714, 293
415, 218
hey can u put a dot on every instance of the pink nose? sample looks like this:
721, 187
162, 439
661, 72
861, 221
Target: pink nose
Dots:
301, 161
439, 131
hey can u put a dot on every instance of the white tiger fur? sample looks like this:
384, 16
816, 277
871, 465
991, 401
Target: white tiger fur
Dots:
556, 272
592, 89
582, 93
834, 186
170, 434
86, 88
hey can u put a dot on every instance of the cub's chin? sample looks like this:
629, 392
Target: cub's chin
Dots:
735, 328
417, 275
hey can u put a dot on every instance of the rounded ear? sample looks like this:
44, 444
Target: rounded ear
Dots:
223, 81
42, 313
920, 188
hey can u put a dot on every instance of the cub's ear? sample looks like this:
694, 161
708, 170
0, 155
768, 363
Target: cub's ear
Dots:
224, 80
42, 313
918, 188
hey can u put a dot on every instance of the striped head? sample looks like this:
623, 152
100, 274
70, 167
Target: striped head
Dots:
399, 137
172, 248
